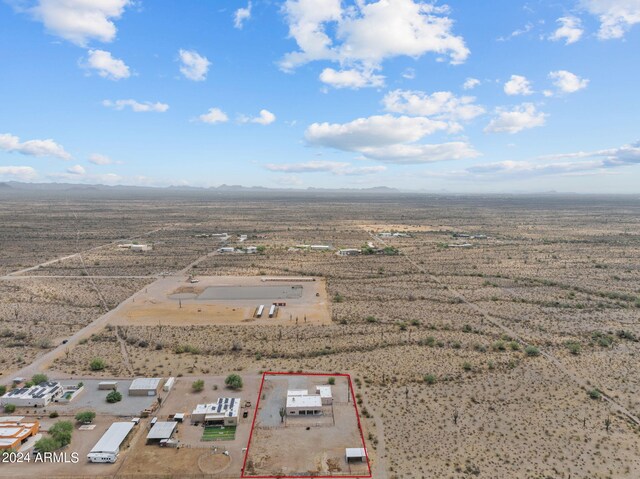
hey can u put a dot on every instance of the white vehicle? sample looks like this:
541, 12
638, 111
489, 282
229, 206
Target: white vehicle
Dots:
97, 457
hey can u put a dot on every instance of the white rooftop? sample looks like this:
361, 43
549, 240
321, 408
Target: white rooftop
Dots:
34, 392
324, 391
297, 392
229, 407
355, 452
113, 437
145, 383
162, 430
304, 401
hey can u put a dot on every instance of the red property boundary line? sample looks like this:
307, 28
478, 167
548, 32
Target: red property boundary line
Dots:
255, 415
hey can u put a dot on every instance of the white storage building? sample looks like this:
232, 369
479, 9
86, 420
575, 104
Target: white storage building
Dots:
304, 405
325, 395
108, 447
145, 387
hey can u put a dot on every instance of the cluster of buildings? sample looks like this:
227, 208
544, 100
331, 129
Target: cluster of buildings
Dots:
231, 249
136, 247
14, 432
301, 403
224, 412
388, 234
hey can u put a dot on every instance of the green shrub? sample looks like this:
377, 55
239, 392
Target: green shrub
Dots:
97, 364
39, 378
574, 348
114, 396
197, 385
233, 381
467, 366
430, 379
514, 345
499, 346
532, 351
53, 414
594, 394
332, 381
9, 408
85, 416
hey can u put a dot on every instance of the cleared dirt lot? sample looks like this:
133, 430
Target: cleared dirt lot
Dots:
227, 300
312, 445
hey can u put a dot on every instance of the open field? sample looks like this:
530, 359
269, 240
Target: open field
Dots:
467, 361
174, 301
307, 445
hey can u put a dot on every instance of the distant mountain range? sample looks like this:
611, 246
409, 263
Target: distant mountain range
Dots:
16, 186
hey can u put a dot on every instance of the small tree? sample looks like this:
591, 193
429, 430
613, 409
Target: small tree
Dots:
114, 396
9, 408
197, 385
233, 381
85, 417
47, 444
61, 432
595, 394
39, 378
3, 390
97, 364
332, 381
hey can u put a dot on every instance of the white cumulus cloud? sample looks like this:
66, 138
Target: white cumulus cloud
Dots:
616, 16
470, 83
441, 105
570, 30
214, 115
241, 15
365, 34
76, 170
20, 173
351, 78
265, 117
80, 20
98, 159
193, 65
521, 117
38, 148
106, 65
136, 106
388, 138
518, 85
567, 82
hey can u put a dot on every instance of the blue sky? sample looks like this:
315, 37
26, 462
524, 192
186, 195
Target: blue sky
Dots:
456, 96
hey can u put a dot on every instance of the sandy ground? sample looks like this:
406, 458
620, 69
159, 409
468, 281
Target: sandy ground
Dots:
159, 304
306, 445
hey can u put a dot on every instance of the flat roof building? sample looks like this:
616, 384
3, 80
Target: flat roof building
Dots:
355, 454
108, 446
304, 405
14, 433
325, 395
348, 252
34, 396
224, 412
145, 387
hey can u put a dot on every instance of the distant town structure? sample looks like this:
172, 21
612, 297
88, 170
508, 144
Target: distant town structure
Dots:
108, 446
136, 247
34, 396
314, 247
226, 249
145, 387
349, 252
14, 432
224, 412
